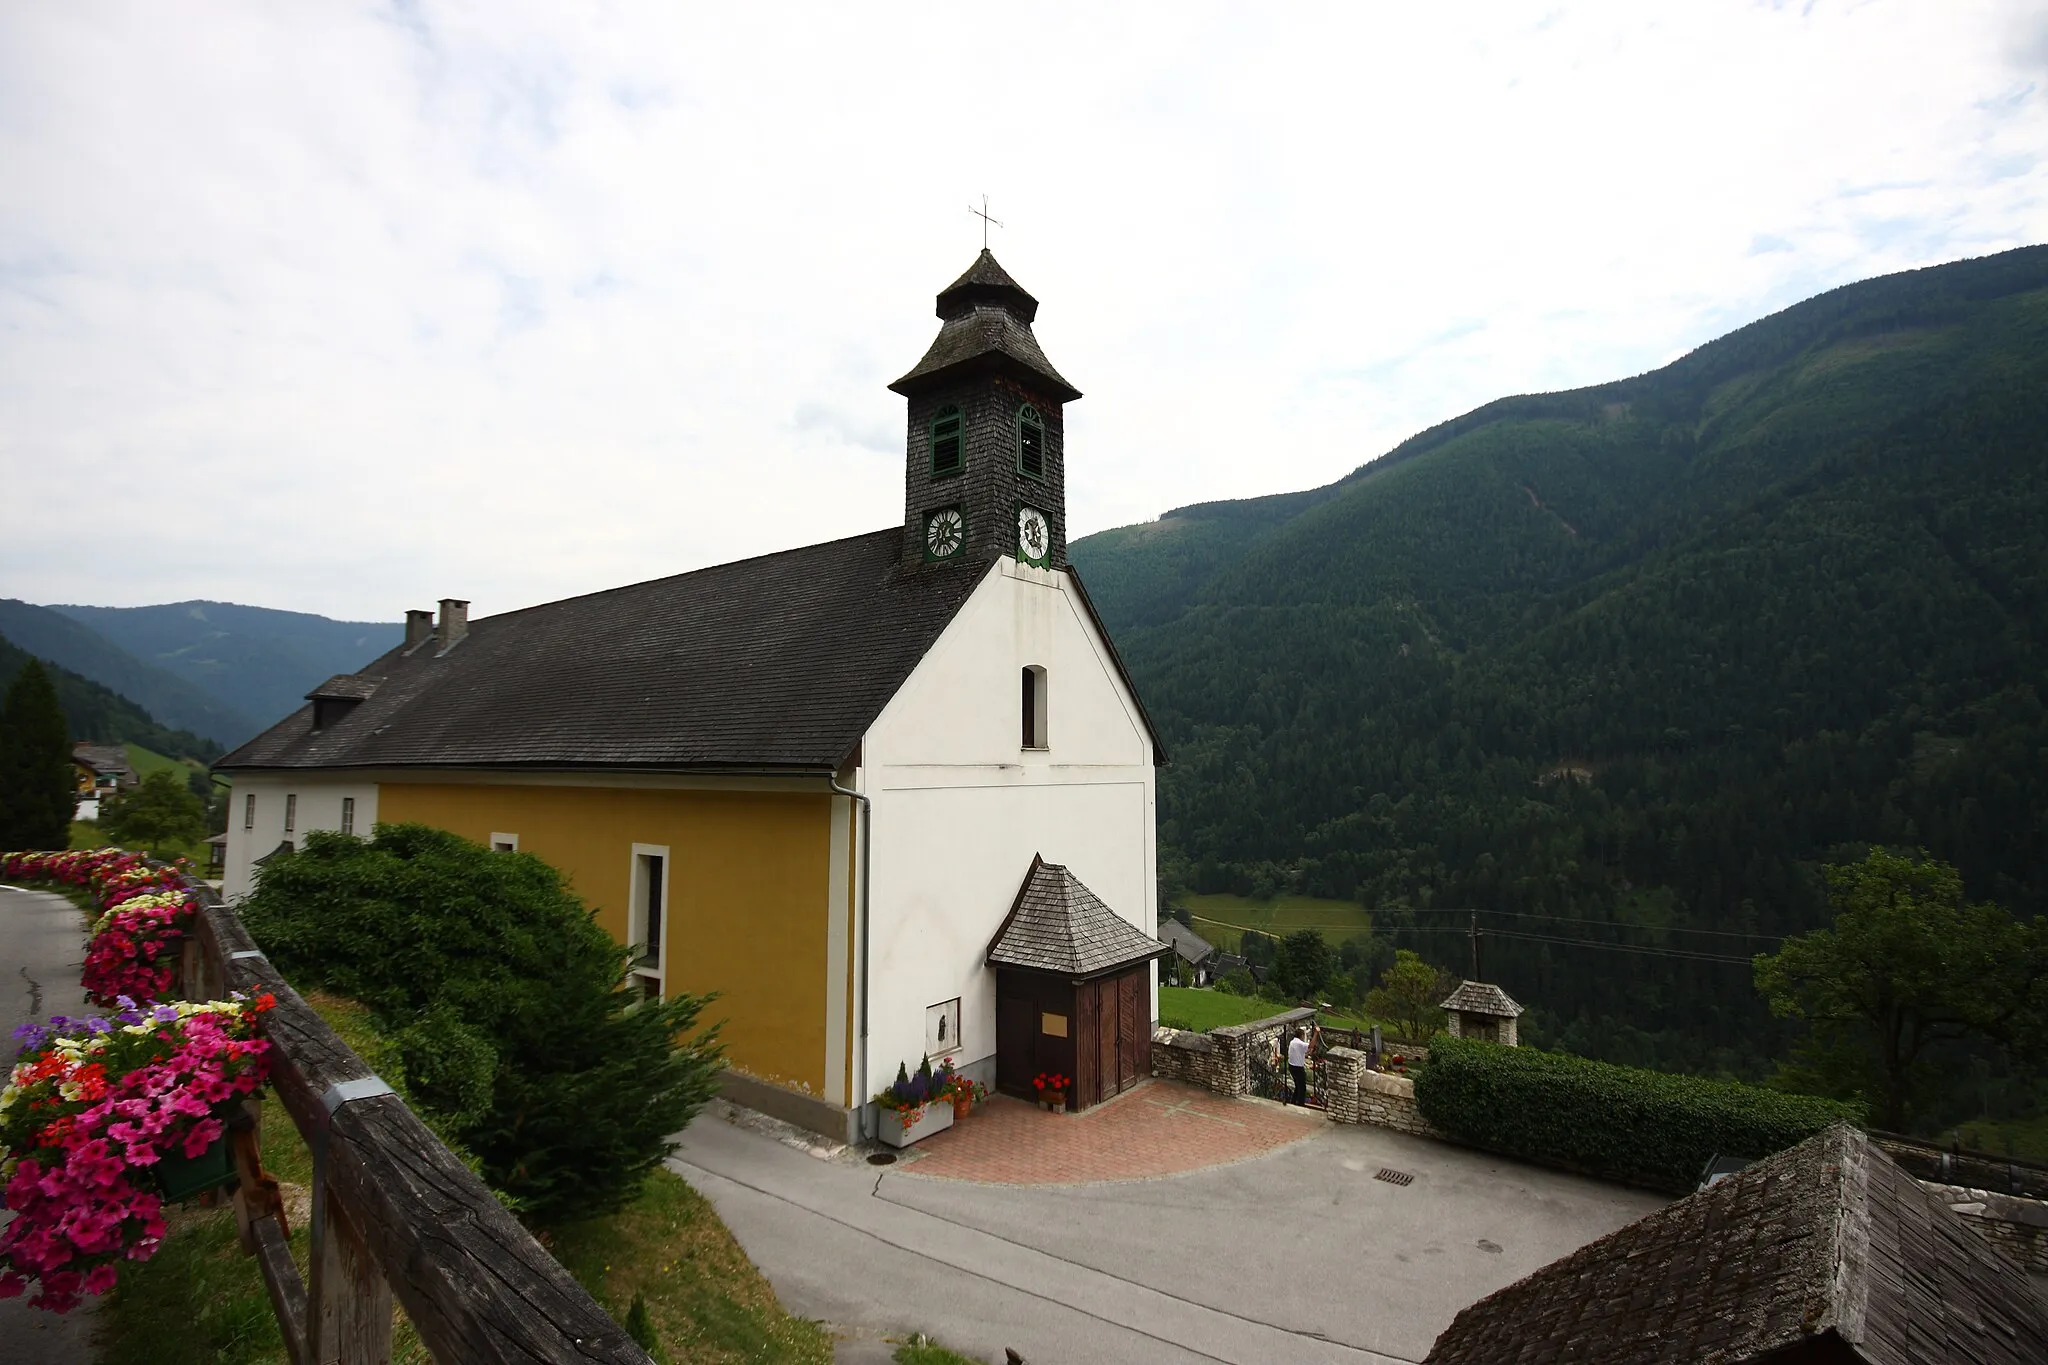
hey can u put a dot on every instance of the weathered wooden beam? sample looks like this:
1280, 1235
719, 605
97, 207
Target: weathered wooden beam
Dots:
351, 1302
287, 1290
476, 1285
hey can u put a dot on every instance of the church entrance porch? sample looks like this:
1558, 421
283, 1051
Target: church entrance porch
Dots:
1073, 991
1096, 1033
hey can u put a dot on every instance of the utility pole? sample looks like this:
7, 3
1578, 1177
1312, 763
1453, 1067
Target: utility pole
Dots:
1475, 946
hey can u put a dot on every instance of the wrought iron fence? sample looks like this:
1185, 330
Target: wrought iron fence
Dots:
1270, 1078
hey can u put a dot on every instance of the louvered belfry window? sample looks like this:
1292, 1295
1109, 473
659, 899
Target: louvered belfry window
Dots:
1030, 442
946, 434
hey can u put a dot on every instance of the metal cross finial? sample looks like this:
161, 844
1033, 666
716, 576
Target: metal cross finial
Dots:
982, 213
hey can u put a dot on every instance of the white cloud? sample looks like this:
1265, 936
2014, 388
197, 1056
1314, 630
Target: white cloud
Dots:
348, 309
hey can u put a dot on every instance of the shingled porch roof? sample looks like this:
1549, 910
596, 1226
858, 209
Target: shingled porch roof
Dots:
1827, 1251
1057, 925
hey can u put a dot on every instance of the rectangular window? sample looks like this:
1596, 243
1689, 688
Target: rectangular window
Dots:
504, 843
291, 812
1034, 708
249, 811
1031, 449
646, 909
946, 442
348, 815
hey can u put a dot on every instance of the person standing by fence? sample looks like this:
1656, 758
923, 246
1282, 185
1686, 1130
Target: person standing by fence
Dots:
1297, 1064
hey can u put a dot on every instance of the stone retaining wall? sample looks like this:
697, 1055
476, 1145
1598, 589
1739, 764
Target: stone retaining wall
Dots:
1219, 1060
1358, 1094
2017, 1227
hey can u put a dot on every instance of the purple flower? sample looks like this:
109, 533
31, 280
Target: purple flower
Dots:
126, 1002
165, 1014
98, 1025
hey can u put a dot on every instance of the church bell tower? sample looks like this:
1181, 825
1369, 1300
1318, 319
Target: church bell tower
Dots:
985, 473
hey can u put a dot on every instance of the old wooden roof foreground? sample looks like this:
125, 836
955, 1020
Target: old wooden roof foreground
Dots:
1826, 1251
1058, 925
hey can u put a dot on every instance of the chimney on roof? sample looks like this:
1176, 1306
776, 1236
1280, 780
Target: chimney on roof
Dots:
454, 623
419, 628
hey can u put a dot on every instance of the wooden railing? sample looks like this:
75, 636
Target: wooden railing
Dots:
393, 1210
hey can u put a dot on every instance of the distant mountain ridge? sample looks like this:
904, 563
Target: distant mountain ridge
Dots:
257, 661
168, 698
99, 714
1638, 654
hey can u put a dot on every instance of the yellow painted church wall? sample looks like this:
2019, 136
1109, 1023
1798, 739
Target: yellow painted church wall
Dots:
748, 893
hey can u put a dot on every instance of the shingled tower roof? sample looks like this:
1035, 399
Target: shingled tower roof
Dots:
1825, 1252
987, 318
1058, 925
1479, 997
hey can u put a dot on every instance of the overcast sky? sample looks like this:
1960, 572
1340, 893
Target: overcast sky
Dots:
344, 308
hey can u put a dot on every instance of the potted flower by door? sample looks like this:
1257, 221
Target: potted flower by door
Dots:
1052, 1090
966, 1094
910, 1110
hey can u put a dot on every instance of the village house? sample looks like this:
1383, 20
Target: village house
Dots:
890, 796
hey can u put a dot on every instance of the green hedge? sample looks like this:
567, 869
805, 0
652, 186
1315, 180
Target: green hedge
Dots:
1646, 1127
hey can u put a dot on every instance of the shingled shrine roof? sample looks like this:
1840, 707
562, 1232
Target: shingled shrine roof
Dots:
987, 318
1058, 925
1478, 997
1825, 1252
778, 662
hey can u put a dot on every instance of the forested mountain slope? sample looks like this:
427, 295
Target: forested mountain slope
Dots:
257, 661
93, 712
58, 639
1642, 653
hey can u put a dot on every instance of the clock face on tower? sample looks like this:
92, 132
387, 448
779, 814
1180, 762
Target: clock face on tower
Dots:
1034, 537
944, 533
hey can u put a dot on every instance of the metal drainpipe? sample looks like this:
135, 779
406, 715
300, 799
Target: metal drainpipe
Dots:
867, 844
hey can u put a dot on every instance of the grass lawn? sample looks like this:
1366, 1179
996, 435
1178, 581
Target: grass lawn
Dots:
1202, 1010
2023, 1138
707, 1301
1222, 919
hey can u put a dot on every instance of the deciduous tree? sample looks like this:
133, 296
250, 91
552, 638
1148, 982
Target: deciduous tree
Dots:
156, 813
1304, 964
1906, 962
1408, 995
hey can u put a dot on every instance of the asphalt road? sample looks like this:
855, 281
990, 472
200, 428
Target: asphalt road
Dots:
1298, 1256
42, 951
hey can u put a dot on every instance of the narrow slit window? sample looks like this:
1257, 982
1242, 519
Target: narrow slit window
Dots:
1034, 707
249, 811
647, 901
1030, 443
947, 454
348, 815
291, 812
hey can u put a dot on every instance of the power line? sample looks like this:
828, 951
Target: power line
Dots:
1639, 949
1569, 919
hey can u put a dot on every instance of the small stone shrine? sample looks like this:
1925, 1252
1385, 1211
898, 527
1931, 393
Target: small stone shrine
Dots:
1479, 1010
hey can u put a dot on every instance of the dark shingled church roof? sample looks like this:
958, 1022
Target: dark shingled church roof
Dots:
1827, 1252
987, 319
1058, 925
778, 662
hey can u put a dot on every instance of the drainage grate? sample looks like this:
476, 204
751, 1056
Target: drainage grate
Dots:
1394, 1177
882, 1159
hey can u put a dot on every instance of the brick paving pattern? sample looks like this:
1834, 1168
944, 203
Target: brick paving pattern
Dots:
1159, 1128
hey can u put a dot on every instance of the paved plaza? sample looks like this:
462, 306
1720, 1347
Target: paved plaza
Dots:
1156, 1128
1294, 1251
